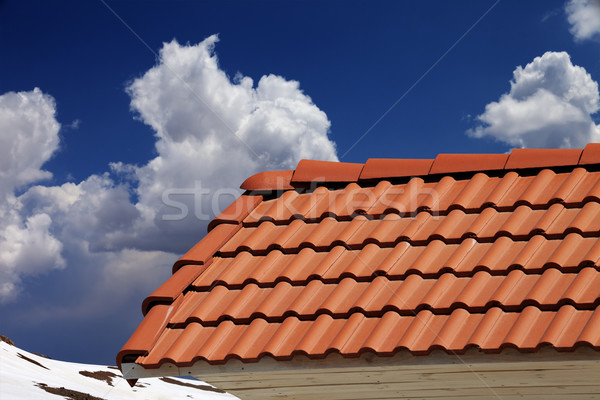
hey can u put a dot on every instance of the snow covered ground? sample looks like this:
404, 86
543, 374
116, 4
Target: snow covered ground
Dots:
25, 375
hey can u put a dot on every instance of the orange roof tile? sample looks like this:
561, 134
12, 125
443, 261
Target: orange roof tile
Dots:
326, 171
269, 180
377, 168
449, 163
490, 251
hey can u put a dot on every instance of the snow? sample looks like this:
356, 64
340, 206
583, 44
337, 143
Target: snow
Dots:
21, 378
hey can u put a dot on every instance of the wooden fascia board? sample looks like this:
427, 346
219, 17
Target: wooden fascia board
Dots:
367, 362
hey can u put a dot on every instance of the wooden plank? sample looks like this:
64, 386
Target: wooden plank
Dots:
474, 375
403, 360
358, 374
447, 396
569, 376
582, 396
359, 392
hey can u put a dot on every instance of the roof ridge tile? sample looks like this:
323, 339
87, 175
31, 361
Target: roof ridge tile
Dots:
540, 190
590, 154
381, 168
268, 180
540, 158
309, 171
453, 163
315, 171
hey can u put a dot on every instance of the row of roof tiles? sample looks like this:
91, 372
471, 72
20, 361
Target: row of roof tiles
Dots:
420, 333
322, 171
569, 188
505, 192
532, 256
392, 228
548, 291
539, 191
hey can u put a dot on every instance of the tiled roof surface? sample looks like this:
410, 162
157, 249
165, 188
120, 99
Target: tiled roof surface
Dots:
486, 251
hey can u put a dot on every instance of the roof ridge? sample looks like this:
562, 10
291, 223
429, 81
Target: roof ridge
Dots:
310, 172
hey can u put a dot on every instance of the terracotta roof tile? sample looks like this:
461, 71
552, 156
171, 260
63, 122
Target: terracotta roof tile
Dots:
455, 226
269, 180
237, 211
202, 252
173, 287
326, 171
449, 163
148, 332
487, 251
380, 168
591, 154
538, 158
512, 292
491, 331
463, 259
481, 190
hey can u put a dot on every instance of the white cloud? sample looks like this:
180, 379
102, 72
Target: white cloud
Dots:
196, 110
212, 133
550, 104
115, 231
26, 248
28, 137
584, 17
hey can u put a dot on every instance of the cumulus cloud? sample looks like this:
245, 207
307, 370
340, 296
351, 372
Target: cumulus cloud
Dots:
195, 108
584, 17
28, 138
550, 104
26, 248
211, 132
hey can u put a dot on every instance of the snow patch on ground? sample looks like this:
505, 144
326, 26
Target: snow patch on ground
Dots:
25, 375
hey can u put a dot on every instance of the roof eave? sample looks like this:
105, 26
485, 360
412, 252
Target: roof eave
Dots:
335, 361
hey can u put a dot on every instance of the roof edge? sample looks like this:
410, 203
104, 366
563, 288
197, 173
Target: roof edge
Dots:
203, 251
170, 290
268, 180
146, 334
401, 357
237, 211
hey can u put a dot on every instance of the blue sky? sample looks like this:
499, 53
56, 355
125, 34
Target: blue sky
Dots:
136, 99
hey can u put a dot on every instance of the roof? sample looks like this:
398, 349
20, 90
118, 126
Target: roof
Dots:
467, 250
